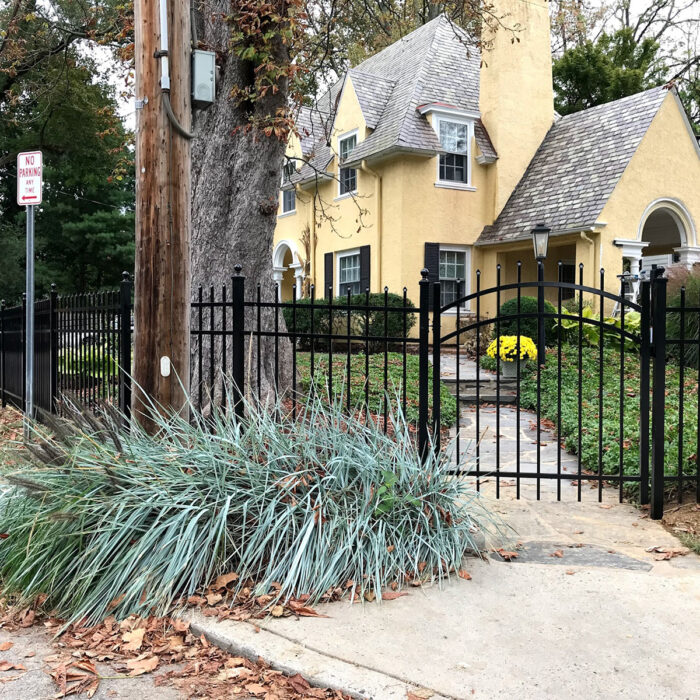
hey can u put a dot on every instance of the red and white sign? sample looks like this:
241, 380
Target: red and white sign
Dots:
30, 178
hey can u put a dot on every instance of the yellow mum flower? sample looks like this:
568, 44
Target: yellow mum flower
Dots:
506, 347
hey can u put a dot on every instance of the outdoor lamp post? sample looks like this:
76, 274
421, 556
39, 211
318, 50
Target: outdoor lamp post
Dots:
540, 241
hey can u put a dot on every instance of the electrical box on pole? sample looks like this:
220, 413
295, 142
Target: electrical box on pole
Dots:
203, 77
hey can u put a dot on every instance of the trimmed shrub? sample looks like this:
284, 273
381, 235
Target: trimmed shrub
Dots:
528, 326
362, 322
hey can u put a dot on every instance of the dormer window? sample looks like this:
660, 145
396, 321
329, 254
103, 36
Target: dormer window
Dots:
288, 193
347, 177
454, 138
454, 164
455, 130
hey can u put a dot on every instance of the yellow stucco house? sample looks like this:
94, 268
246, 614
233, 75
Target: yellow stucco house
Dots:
427, 155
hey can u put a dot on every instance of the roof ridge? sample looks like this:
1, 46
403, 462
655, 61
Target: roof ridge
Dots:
588, 110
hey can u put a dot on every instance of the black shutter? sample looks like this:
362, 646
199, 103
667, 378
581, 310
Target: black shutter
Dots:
432, 264
328, 277
364, 268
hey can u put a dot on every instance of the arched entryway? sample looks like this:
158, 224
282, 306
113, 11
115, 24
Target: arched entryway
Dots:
667, 235
287, 269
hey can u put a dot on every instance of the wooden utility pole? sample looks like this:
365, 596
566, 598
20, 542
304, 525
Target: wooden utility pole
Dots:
162, 277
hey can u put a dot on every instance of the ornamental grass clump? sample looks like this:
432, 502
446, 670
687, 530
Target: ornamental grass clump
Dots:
510, 350
109, 522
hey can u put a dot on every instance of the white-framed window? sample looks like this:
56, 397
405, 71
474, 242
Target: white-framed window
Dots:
289, 198
347, 177
454, 164
348, 263
289, 201
454, 275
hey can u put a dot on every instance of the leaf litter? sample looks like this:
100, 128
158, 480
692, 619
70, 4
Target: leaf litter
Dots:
140, 645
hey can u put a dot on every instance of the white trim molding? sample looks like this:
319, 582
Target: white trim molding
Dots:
455, 118
680, 214
448, 111
344, 254
467, 289
688, 255
280, 251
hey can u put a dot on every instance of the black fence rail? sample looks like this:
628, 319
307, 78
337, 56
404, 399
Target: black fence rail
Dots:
356, 348
378, 352
81, 344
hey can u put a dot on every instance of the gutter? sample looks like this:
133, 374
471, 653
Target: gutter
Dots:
583, 230
379, 216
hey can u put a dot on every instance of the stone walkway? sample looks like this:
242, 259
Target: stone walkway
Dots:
496, 455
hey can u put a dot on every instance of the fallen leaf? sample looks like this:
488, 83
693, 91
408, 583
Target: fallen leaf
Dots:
393, 595
223, 580
578, 532
606, 506
558, 553
142, 664
570, 572
4, 646
298, 683
370, 596
507, 555
390, 548
465, 575
9, 666
214, 598
662, 553
134, 639
277, 611
419, 694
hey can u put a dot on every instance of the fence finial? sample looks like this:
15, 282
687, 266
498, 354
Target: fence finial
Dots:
126, 277
53, 286
424, 273
238, 268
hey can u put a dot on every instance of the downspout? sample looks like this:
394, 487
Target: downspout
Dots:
312, 237
379, 218
591, 259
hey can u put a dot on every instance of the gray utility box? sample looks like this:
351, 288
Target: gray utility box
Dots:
203, 77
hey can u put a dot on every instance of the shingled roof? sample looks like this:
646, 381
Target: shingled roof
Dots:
576, 168
436, 63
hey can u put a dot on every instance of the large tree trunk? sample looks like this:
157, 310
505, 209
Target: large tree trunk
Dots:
235, 190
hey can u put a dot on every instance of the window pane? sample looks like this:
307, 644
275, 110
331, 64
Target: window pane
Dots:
348, 180
346, 146
288, 200
453, 136
349, 274
453, 168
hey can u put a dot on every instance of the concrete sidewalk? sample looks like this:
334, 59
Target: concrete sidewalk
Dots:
603, 620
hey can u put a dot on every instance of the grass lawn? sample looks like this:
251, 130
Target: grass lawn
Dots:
376, 382
611, 408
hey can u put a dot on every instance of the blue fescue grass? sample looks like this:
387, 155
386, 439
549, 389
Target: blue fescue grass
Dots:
109, 522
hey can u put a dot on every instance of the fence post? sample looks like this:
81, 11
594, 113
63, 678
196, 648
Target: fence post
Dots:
659, 393
125, 346
238, 340
436, 366
644, 387
423, 363
53, 344
3, 400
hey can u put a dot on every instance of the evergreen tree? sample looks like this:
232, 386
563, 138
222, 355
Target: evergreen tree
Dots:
612, 67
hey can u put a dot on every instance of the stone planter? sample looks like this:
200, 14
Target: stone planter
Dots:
509, 370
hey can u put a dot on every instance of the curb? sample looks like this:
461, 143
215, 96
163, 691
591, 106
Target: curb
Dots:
245, 639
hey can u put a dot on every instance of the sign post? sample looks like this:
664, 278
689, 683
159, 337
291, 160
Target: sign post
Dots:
29, 191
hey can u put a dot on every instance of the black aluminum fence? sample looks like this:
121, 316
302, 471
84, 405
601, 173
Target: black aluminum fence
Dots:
626, 417
81, 342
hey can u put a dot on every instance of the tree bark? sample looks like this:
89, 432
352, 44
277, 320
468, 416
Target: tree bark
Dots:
235, 189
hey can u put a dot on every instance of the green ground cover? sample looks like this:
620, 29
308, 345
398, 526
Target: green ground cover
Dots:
376, 382
611, 408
